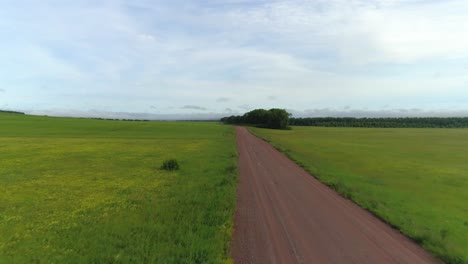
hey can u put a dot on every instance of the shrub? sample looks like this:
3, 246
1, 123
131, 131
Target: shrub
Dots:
170, 165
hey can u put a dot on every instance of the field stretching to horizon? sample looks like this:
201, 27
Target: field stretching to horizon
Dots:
92, 191
415, 179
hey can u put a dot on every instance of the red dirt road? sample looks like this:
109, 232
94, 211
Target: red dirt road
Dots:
286, 216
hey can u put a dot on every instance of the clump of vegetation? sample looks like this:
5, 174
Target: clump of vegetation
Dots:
417, 122
170, 165
274, 118
11, 112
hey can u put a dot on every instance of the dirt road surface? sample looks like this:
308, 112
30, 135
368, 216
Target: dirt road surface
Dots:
284, 215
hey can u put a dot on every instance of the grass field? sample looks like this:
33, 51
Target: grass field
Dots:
416, 179
91, 191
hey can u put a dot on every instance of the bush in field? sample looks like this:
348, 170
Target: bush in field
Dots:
170, 165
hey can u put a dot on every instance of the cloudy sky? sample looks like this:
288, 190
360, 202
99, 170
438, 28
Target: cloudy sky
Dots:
206, 58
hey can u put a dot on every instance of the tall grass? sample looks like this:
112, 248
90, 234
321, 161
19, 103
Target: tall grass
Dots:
90, 191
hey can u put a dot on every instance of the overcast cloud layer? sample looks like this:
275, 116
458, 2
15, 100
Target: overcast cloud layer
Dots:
212, 58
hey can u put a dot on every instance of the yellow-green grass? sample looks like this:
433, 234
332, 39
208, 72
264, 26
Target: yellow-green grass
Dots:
415, 179
91, 191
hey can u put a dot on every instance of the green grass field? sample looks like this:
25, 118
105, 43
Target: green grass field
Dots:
91, 191
416, 179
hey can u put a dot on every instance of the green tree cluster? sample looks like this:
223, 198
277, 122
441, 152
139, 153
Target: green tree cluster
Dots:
415, 122
11, 112
274, 118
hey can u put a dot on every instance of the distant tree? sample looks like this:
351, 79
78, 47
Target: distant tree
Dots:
278, 118
11, 112
257, 116
273, 118
399, 122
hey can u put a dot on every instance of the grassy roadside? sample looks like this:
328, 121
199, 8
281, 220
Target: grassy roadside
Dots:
415, 179
91, 191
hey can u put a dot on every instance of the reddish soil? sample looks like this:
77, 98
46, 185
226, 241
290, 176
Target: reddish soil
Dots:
284, 215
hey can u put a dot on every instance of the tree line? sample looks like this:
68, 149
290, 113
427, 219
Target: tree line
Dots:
11, 112
274, 118
397, 122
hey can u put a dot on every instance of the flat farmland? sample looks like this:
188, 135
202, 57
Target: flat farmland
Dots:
92, 191
414, 179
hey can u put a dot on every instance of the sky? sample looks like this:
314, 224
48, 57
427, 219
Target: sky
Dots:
204, 59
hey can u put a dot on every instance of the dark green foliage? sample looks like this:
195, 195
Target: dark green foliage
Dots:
273, 118
278, 118
257, 116
399, 122
11, 112
170, 165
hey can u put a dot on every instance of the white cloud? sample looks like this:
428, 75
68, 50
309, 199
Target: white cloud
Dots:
126, 55
366, 31
222, 99
147, 38
194, 107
